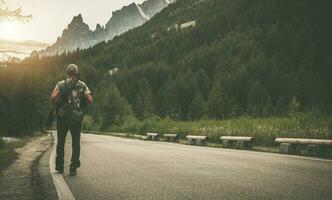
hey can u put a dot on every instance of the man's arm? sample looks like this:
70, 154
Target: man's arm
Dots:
89, 98
87, 94
53, 99
54, 96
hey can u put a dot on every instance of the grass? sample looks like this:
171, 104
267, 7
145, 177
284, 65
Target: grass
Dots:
265, 130
8, 154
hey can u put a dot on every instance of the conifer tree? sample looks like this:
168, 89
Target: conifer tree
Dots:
115, 108
293, 108
202, 82
218, 105
143, 104
170, 106
259, 102
196, 109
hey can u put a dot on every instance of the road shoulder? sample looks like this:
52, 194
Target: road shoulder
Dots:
42, 172
21, 179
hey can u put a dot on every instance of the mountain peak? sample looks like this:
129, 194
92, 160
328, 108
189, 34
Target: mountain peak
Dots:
98, 27
152, 7
128, 17
77, 18
77, 23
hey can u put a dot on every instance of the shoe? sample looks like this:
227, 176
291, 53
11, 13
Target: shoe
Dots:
59, 170
73, 172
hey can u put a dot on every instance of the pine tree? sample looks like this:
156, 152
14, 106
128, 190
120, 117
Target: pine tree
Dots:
218, 104
259, 102
196, 109
202, 82
170, 106
143, 105
115, 108
185, 87
182, 94
294, 108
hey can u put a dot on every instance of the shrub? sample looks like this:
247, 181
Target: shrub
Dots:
294, 108
89, 125
2, 144
115, 108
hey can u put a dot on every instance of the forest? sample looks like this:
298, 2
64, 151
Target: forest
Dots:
256, 58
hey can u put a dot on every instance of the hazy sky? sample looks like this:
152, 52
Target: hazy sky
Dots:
50, 17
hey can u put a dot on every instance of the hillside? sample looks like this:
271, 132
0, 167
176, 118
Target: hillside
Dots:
211, 59
245, 56
242, 57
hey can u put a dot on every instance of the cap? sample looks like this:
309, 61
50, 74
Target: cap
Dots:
72, 68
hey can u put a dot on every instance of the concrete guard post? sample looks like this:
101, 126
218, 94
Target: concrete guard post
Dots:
237, 142
287, 148
310, 147
171, 137
152, 136
197, 139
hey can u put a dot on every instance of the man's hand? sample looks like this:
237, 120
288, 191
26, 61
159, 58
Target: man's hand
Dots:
89, 98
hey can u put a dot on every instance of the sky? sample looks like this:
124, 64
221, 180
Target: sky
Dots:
50, 17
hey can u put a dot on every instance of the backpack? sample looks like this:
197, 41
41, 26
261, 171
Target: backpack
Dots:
72, 107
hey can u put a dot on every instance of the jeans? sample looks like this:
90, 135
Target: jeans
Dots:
64, 125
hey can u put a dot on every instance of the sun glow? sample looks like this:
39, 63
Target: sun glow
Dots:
9, 30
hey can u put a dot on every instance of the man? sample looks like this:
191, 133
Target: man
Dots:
69, 117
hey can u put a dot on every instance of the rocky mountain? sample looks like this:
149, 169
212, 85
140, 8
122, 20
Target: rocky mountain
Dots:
152, 7
78, 35
127, 18
98, 35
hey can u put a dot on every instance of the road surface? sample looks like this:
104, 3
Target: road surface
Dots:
118, 168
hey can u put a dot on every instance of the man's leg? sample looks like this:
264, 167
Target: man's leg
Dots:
62, 129
75, 131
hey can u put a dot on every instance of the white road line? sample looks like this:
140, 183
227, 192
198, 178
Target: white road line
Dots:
62, 188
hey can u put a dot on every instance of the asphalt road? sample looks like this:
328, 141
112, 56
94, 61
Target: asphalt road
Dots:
117, 168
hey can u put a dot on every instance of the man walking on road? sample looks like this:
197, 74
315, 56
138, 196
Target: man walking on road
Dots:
69, 118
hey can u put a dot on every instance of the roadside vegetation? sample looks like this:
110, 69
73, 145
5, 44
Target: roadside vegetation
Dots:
265, 130
7, 152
